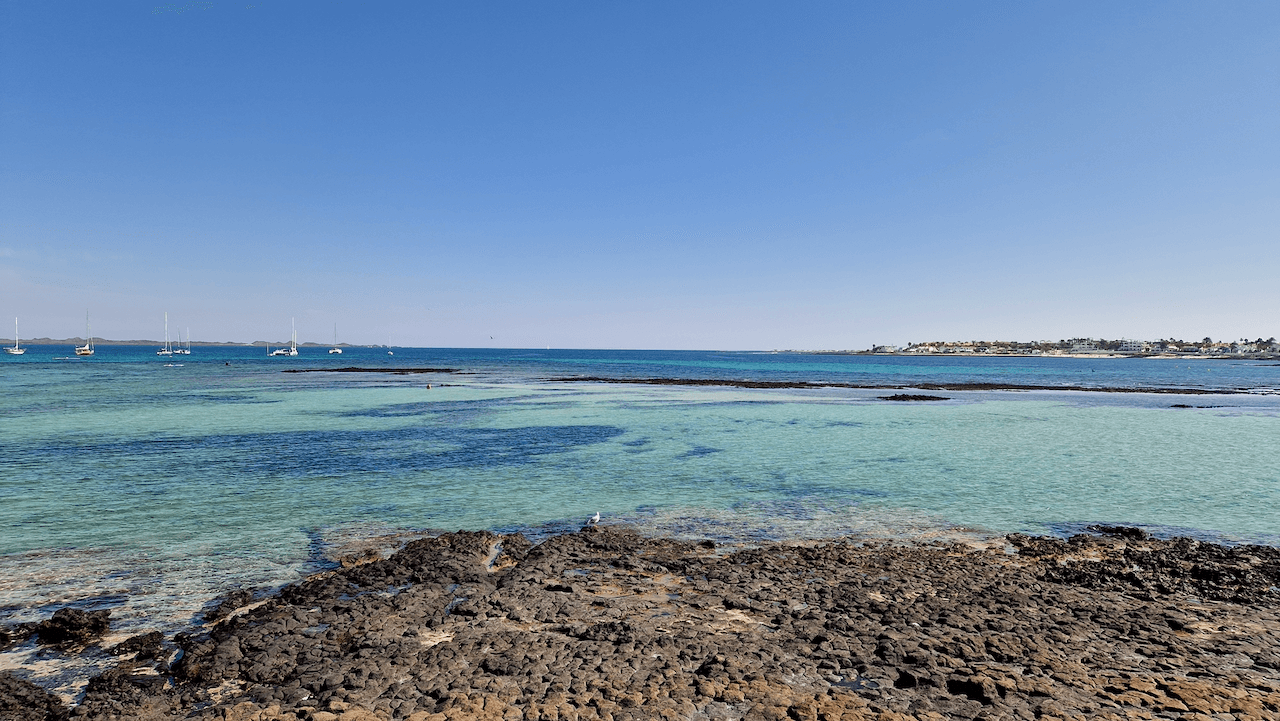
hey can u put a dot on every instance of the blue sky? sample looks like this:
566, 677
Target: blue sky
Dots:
733, 175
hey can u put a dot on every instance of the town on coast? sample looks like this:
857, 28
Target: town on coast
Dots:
1081, 347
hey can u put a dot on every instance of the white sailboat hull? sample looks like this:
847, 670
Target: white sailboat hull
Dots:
87, 348
292, 350
15, 350
167, 350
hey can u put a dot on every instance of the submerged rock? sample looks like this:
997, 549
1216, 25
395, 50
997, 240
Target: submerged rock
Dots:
228, 604
15, 633
1136, 534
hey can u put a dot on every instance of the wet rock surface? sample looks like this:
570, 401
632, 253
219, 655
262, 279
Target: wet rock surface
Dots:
605, 624
737, 383
73, 626
395, 371
15, 633
909, 397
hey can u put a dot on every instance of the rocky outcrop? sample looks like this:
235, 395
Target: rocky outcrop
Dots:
1242, 574
605, 624
24, 701
73, 626
910, 397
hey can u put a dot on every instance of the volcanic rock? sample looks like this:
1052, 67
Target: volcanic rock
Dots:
71, 625
24, 701
607, 624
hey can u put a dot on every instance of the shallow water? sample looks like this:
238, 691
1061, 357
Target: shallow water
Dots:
150, 486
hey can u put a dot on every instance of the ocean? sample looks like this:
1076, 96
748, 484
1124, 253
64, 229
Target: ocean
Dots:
149, 486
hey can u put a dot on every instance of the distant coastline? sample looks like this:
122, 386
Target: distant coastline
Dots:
1076, 348
1253, 350
1269, 355
194, 343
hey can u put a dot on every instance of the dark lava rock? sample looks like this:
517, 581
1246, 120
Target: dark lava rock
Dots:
395, 371
607, 624
24, 701
614, 632
147, 645
1137, 564
1136, 534
227, 604
71, 625
912, 397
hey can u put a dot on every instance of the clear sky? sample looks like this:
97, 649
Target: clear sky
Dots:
718, 175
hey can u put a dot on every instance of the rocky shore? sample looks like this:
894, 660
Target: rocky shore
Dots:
606, 624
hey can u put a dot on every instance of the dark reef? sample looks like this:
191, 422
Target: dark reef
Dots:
908, 397
918, 386
352, 369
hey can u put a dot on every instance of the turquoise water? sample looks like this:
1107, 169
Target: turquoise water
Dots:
150, 486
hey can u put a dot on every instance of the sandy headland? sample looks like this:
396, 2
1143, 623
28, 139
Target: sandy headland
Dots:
607, 624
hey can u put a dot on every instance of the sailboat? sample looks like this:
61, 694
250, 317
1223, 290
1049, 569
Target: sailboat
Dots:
87, 348
334, 349
293, 343
15, 350
183, 351
168, 348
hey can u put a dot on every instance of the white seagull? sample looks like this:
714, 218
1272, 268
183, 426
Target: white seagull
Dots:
594, 519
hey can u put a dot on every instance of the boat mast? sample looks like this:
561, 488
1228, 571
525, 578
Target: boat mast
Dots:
15, 350
88, 342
